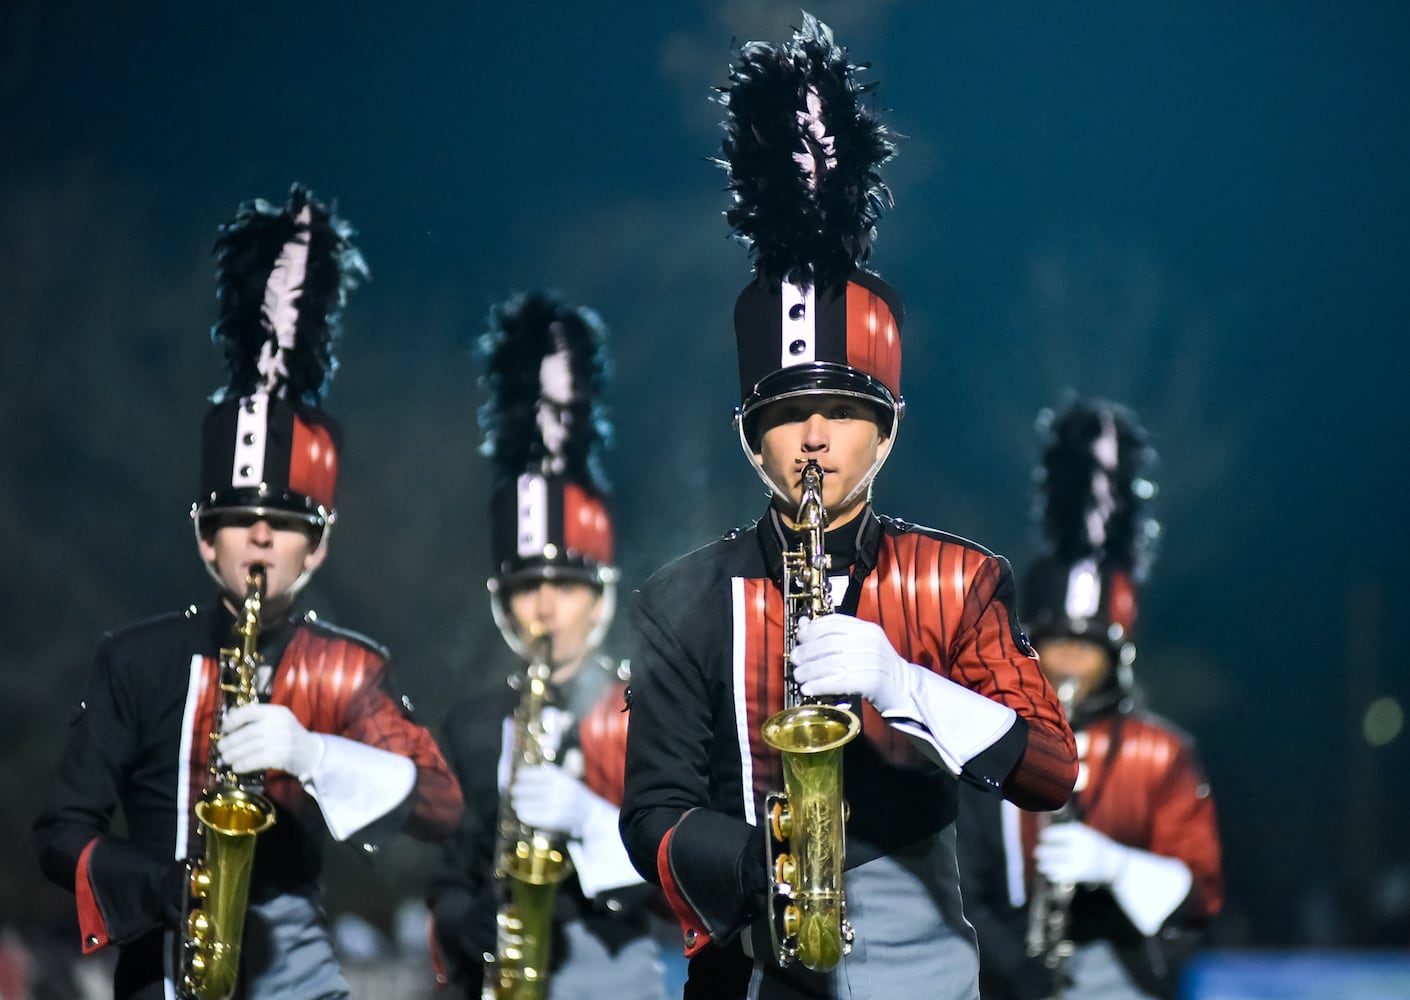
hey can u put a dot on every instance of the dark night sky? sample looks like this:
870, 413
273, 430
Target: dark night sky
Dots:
1199, 209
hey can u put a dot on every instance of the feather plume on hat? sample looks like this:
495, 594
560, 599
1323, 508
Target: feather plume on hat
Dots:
1093, 487
802, 156
544, 366
283, 275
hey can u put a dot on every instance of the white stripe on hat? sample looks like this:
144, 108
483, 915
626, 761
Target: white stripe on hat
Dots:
1084, 590
531, 517
798, 326
251, 437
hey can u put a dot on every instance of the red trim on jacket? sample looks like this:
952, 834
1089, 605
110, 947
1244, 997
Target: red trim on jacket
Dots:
433, 944
692, 928
91, 926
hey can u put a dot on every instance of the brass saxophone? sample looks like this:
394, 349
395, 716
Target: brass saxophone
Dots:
1049, 909
231, 812
806, 847
529, 863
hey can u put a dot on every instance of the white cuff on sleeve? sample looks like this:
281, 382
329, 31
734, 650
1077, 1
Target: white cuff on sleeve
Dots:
599, 855
355, 784
1150, 887
957, 722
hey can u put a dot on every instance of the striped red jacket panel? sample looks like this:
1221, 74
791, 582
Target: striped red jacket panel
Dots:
1151, 794
337, 686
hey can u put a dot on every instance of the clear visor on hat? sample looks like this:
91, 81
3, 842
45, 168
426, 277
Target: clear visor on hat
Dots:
818, 378
260, 502
528, 573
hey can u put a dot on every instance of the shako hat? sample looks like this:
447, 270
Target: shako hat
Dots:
544, 365
802, 156
283, 274
1091, 504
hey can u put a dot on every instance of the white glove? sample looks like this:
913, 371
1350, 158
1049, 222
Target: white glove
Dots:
259, 737
1148, 887
1074, 852
839, 654
549, 798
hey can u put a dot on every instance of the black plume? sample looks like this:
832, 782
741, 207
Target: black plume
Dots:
1094, 487
282, 279
522, 332
802, 156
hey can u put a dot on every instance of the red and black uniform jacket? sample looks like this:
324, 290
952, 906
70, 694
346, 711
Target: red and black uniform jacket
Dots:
140, 742
708, 671
1142, 784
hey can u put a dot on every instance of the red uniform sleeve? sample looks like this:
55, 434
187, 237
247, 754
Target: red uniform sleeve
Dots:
338, 686
379, 720
1184, 827
991, 655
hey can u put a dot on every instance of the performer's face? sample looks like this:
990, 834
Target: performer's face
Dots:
285, 546
1079, 660
568, 610
841, 433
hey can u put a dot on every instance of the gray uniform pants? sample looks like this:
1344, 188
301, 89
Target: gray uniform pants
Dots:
590, 972
911, 939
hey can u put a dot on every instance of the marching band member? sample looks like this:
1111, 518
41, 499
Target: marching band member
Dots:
924, 640
1104, 904
554, 583
340, 752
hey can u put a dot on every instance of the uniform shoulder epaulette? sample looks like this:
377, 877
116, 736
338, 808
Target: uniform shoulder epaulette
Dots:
312, 621
897, 526
152, 624
1159, 724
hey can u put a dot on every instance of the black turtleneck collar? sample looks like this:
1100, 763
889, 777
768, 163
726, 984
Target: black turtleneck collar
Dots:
274, 635
853, 546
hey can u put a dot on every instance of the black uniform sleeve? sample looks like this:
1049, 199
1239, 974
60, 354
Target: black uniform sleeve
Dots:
709, 864
122, 891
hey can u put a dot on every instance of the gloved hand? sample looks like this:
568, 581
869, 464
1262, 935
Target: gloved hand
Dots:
260, 737
839, 654
1074, 852
549, 798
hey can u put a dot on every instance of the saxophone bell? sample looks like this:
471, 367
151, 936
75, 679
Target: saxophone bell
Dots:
805, 847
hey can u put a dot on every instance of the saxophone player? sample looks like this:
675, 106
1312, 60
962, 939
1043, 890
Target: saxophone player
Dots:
923, 627
552, 594
1119, 889
337, 753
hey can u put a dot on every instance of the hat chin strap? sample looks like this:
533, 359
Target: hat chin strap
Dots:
781, 491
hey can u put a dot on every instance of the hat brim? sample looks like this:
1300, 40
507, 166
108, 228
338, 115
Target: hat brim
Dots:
263, 501
523, 572
818, 378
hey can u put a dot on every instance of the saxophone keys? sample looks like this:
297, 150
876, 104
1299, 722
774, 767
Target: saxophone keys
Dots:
200, 882
785, 871
781, 821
